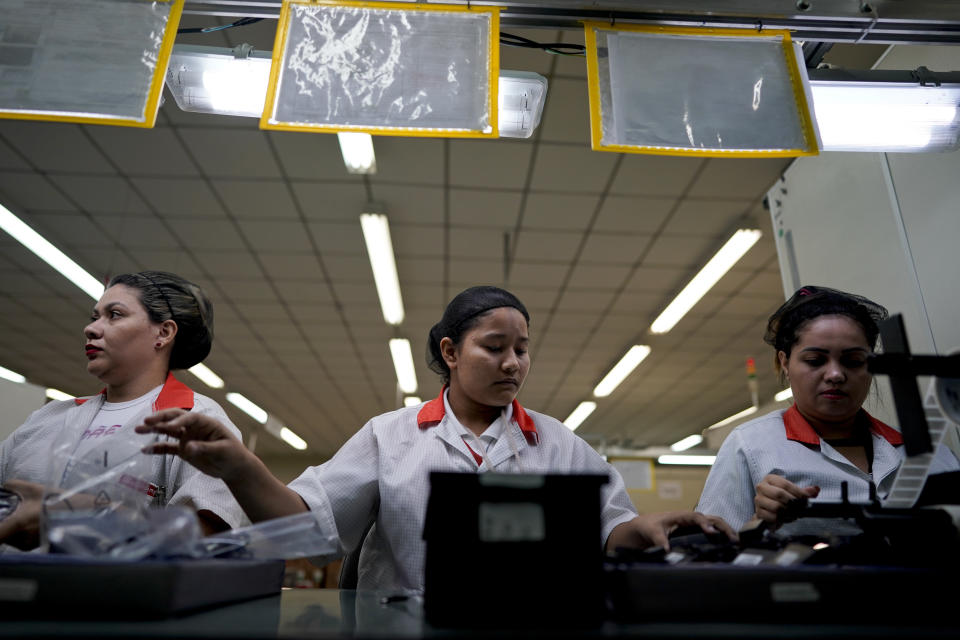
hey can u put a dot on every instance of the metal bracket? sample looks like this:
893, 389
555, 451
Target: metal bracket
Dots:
925, 77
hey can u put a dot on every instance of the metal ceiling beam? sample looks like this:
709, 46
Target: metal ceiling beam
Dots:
858, 21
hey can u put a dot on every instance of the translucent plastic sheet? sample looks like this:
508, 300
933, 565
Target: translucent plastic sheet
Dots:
415, 71
96, 61
697, 94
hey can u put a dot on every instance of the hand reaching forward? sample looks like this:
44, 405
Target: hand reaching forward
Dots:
21, 528
654, 529
775, 493
200, 440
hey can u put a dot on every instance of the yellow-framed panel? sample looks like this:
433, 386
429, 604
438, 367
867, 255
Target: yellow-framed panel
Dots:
279, 50
796, 81
149, 116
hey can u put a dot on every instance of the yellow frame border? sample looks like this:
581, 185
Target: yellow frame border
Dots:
593, 87
153, 96
492, 90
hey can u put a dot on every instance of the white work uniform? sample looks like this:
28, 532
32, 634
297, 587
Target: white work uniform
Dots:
383, 472
784, 443
27, 453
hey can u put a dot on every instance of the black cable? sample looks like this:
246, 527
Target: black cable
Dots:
557, 48
239, 23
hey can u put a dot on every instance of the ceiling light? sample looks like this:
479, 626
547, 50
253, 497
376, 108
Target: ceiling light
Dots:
719, 264
411, 401
49, 253
578, 415
742, 414
56, 394
247, 407
357, 151
786, 394
403, 364
218, 80
687, 443
520, 102
207, 376
376, 233
687, 459
887, 116
12, 376
621, 370
292, 439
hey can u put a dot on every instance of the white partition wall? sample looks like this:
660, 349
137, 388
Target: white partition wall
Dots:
18, 401
886, 226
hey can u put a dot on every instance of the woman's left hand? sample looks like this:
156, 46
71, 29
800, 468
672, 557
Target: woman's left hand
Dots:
654, 529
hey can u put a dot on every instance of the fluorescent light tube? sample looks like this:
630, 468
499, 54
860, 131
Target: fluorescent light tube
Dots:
878, 116
742, 414
719, 264
411, 401
247, 407
56, 394
520, 99
403, 364
687, 443
49, 253
786, 394
357, 151
12, 376
292, 439
219, 80
376, 234
621, 370
687, 459
578, 415
207, 376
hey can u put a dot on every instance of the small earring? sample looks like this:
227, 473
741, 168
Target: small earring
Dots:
159, 344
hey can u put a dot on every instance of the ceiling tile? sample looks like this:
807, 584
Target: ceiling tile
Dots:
689, 251
566, 113
393, 161
412, 241
339, 238
228, 264
711, 217
331, 201
600, 276
70, 230
204, 234
531, 274
499, 164
349, 269
533, 246
102, 194
133, 232
276, 235
30, 191
472, 272
311, 156
410, 205
232, 153
735, 177
180, 197
570, 168
143, 152
264, 199
53, 146
290, 266
420, 270
497, 209
632, 214
551, 211
605, 247
654, 175
477, 243
10, 159
578, 302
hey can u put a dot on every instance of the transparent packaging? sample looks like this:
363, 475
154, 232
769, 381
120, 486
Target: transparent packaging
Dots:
298, 536
376, 69
82, 61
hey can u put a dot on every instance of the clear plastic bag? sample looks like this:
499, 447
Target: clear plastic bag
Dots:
298, 536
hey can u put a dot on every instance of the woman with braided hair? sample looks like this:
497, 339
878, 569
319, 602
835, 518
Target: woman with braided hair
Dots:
144, 325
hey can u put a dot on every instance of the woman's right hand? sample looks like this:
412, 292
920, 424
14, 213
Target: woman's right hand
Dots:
775, 493
200, 439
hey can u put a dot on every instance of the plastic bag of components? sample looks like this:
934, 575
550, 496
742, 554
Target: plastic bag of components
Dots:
298, 536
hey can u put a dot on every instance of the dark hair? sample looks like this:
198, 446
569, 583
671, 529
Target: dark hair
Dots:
811, 302
167, 296
462, 314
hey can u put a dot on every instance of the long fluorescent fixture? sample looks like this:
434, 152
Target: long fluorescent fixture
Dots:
12, 376
357, 151
248, 407
376, 234
687, 443
887, 110
411, 401
741, 414
578, 415
719, 264
292, 439
49, 253
687, 460
207, 376
56, 394
403, 364
786, 394
621, 370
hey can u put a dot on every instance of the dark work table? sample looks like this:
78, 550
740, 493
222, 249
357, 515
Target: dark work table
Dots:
330, 613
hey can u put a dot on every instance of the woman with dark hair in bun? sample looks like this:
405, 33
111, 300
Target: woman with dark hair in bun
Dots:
381, 475
144, 325
821, 339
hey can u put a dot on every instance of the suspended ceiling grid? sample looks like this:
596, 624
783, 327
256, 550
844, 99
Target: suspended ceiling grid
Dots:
267, 222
